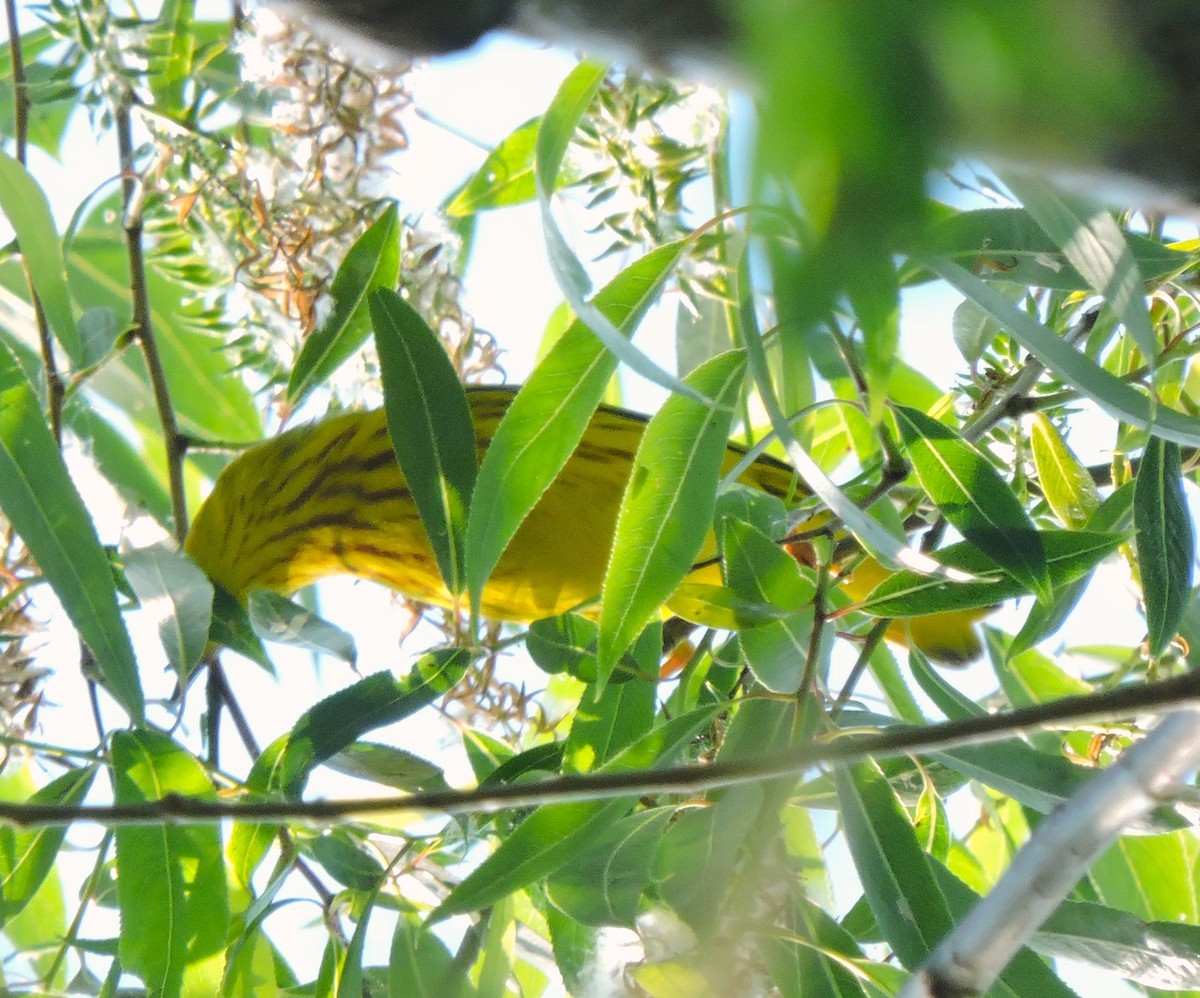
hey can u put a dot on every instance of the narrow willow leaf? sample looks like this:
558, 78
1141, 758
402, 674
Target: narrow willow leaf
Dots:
1093, 244
173, 590
818, 963
875, 296
1162, 955
975, 499
342, 718
1110, 393
1026, 974
605, 883
371, 264
1065, 482
895, 874
25, 205
1006, 245
118, 460
1165, 545
668, 505
506, 177
29, 856
548, 417
722, 607
170, 878
40, 500
1141, 874
607, 722
344, 860
419, 964
190, 337
758, 569
276, 618
382, 764
554, 135
430, 426
1070, 554
874, 538
172, 44
554, 835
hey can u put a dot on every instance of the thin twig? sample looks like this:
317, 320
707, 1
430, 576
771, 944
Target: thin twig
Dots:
132, 199
20, 84
688, 779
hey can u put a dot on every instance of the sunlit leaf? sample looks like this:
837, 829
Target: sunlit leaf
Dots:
27, 209
549, 416
506, 177
1066, 484
974, 498
430, 425
170, 878
40, 500
668, 505
372, 263
1165, 544
177, 594
277, 618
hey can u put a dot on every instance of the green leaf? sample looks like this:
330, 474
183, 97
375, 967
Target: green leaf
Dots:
170, 878
1065, 482
813, 965
757, 569
550, 415
566, 643
506, 177
721, 607
1110, 393
668, 505
907, 902
554, 135
881, 544
421, 966
371, 264
343, 860
171, 47
342, 718
1153, 877
1094, 245
975, 499
1070, 554
39, 499
554, 835
118, 460
430, 425
24, 203
1165, 545
173, 590
1007, 245
1025, 975
208, 400
277, 618
605, 882
28, 856
231, 629
606, 722
1155, 954
382, 764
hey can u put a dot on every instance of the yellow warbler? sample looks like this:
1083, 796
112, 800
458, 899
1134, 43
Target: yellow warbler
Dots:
329, 499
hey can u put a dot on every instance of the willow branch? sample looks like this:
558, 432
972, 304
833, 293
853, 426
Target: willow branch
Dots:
143, 328
843, 749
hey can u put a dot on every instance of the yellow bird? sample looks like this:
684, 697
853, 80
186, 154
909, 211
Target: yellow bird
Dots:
330, 499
